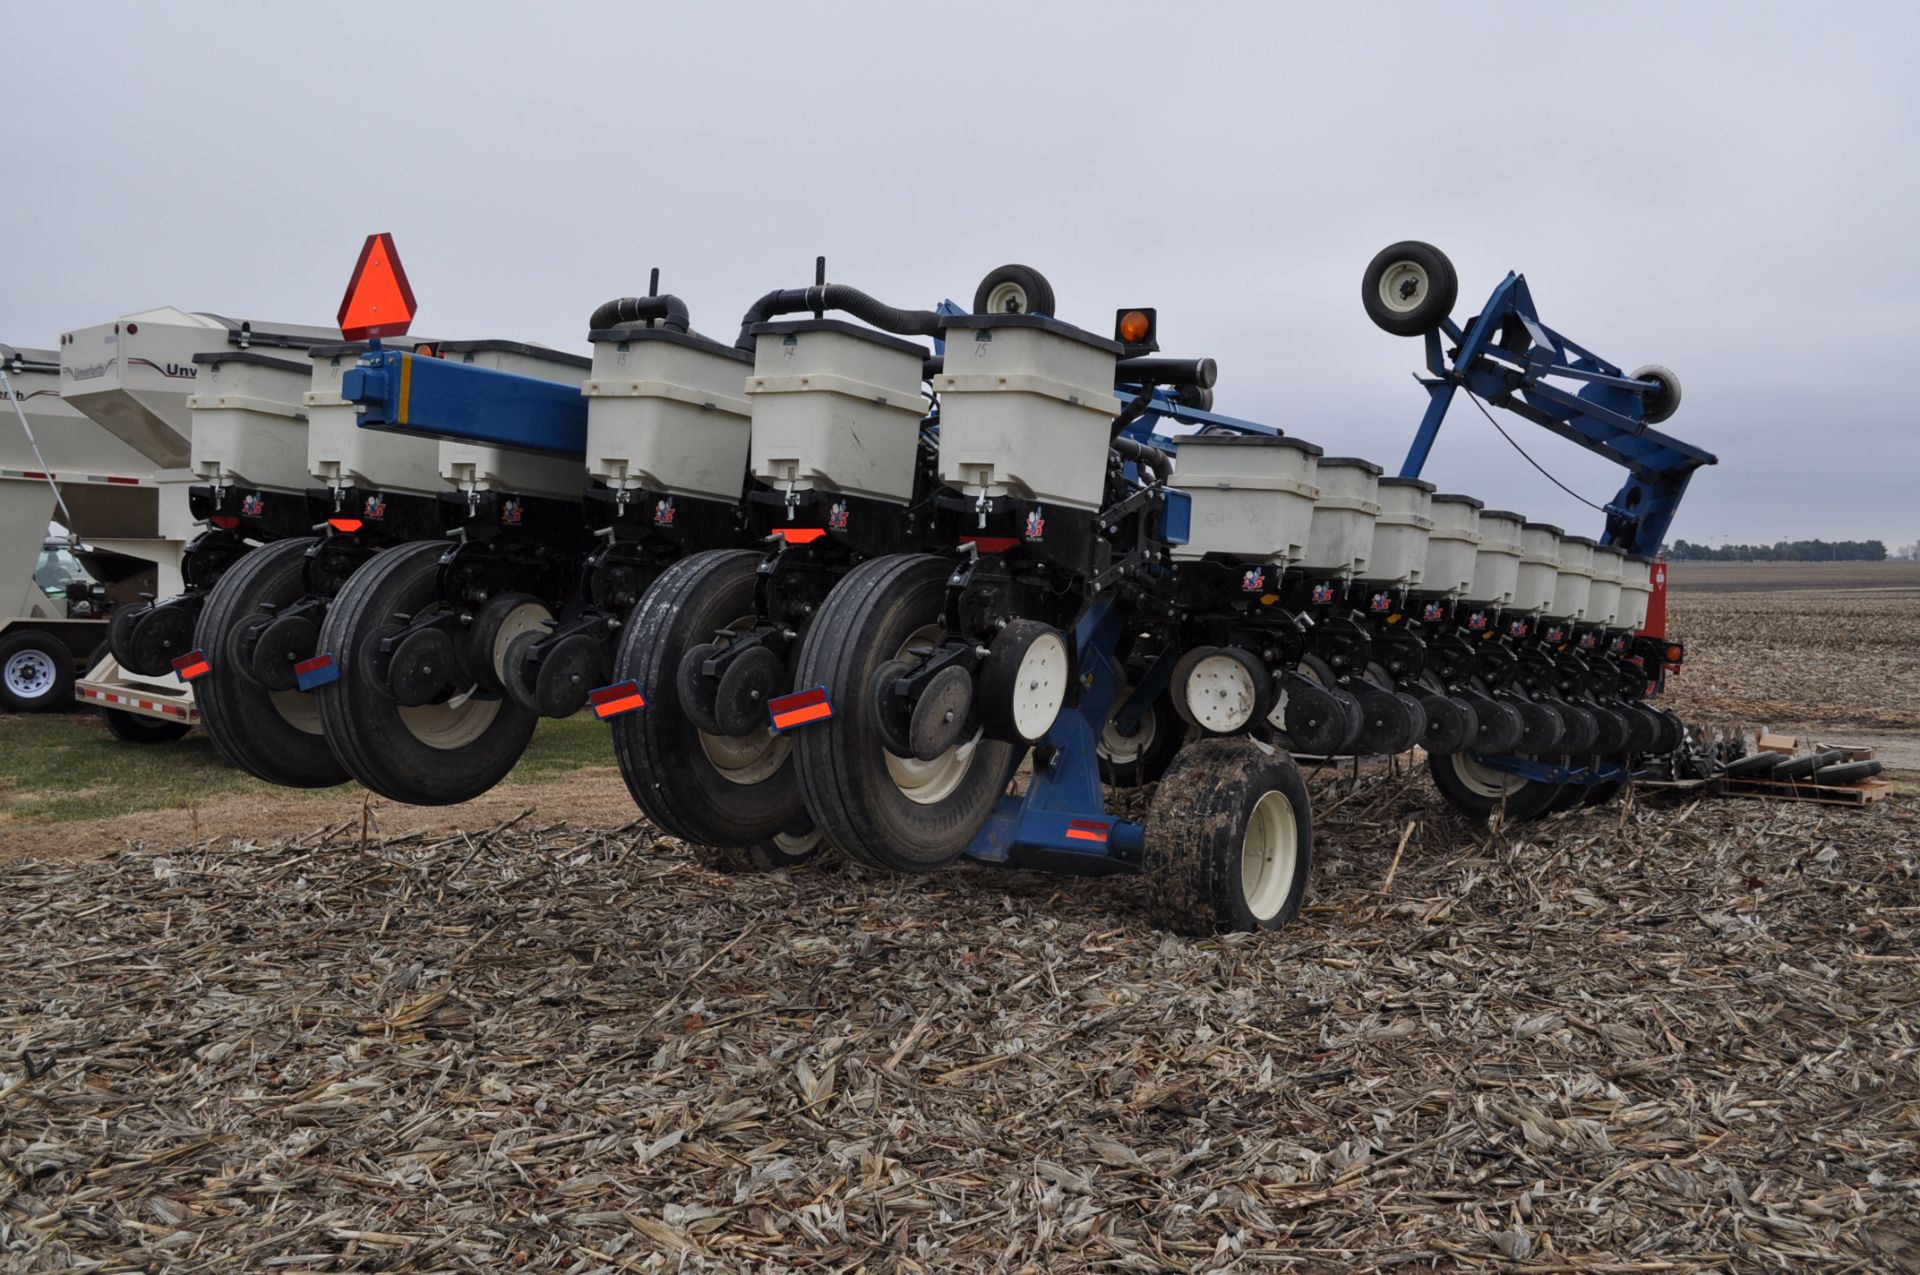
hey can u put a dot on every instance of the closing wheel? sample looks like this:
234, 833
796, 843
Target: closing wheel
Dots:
1612, 739
1320, 673
161, 634
1541, 727
1662, 402
36, 673
1409, 288
120, 633
1395, 720
892, 812
1314, 720
433, 754
1478, 790
500, 619
1640, 728
1578, 729
731, 797
274, 734
574, 666
1014, 290
1023, 681
1141, 756
1229, 841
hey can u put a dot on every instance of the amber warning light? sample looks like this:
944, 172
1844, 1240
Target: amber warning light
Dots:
379, 301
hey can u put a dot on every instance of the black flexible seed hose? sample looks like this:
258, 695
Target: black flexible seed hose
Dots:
625, 311
836, 296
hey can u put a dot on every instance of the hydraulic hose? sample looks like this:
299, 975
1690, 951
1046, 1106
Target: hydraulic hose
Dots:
632, 311
836, 296
1147, 456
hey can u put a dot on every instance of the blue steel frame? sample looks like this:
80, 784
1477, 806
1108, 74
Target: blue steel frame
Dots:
1605, 415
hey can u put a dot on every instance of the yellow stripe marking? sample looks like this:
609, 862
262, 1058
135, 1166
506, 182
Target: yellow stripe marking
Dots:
406, 387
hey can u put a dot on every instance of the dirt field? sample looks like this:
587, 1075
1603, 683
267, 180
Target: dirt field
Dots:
1650, 1037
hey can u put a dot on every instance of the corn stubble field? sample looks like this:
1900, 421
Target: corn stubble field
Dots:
1660, 1036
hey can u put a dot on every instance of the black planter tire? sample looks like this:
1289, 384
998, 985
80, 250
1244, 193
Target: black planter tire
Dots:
36, 673
732, 799
886, 811
1409, 288
273, 735
1479, 793
1014, 289
433, 755
1229, 840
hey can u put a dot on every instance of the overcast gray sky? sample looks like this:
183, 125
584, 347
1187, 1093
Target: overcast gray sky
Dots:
1731, 190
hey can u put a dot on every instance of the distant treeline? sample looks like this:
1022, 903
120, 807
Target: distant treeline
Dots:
1782, 551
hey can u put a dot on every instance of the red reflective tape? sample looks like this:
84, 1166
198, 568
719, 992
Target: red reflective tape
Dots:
800, 535
1086, 830
308, 666
191, 665
789, 711
615, 707
801, 716
347, 525
990, 544
226, 522
131, 482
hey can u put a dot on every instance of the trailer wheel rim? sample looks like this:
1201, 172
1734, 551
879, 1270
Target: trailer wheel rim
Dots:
753, 757
1007, 297
795, 844
1269, 856
458, 722
297, 709
1404, 286
1221, 694
1485, 781
30, 674
928, 783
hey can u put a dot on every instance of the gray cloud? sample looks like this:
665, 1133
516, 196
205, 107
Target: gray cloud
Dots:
1729, 190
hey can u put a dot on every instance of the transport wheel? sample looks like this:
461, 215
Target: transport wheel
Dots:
36, 673
1014, 290
880, 808
1229, 841
1131, 760
1663, 402
1409, 288
138, 728
732, 798
257, 716
1478, 790
452, 748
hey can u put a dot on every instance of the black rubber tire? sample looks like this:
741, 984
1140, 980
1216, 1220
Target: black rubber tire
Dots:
1757, 766
841, 763
120, 633
1144, 763
1847, 772
1530, 801
1038, 292
138, 728
1197, 829
1443, 288
1614, 731
667, 768
1318, 671
366, 728
1600, 794
44, 657
246, 721
793, 848
1665, 401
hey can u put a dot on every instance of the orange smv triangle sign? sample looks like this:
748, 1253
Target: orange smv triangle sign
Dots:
379, 302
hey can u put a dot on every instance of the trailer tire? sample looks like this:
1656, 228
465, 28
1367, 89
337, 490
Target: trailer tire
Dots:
273, 735
1014, 289
733, 799
1479, 792
138, 728
1229, 840
36, 673
1663, 402
1409, 288
886, 811
431, 755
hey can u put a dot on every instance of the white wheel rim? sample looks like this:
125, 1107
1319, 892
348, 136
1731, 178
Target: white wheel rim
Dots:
794, 845
460, 721
1221, 694
1485, 780
1116, 745
298, 709
528, 617
1007, 298
928, 783
1041, 687
750, 758
1269, 856
29, 674
1404, 286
